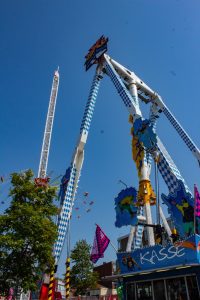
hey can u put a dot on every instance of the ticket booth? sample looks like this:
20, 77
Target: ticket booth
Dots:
162, 273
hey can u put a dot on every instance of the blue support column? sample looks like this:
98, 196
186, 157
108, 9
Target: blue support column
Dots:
76, 166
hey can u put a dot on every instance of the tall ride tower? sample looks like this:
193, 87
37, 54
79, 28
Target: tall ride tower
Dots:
48, 127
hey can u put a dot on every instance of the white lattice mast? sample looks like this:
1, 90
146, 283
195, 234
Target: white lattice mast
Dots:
48, 127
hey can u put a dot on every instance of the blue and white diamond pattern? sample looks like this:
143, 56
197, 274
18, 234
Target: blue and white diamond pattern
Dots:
66, 210
121, 89
89, 110
168, 169
65, 214
180, 130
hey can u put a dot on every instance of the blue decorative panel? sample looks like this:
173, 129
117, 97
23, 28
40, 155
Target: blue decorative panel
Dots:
145, 134
125, 206
181, 208
159, 257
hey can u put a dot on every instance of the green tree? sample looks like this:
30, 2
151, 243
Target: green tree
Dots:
82, 276
27, 233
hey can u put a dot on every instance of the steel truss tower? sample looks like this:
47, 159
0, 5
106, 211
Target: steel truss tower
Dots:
48, 127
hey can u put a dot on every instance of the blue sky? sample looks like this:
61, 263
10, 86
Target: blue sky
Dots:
158, 40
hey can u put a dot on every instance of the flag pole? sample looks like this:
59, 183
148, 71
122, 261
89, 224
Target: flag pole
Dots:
111, 244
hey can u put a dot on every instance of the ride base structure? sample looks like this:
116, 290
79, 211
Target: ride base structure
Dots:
155, 266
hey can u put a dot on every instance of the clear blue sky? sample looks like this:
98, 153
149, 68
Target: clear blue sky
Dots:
158, 40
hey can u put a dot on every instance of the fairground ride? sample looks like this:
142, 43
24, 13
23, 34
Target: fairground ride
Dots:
146, 147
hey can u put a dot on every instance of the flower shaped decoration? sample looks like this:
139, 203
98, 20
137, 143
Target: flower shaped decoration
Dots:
126, 208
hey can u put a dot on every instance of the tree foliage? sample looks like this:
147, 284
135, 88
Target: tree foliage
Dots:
82, 276
27, 233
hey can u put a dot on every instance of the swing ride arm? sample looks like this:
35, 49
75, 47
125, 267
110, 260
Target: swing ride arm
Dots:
130, 100
76, 166
123, 80
147, 95
169, 171
166, 165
